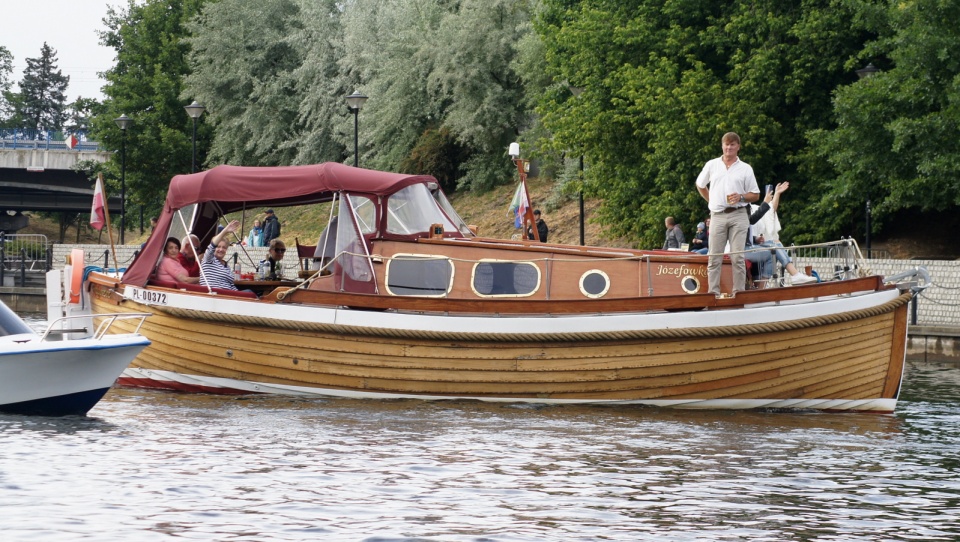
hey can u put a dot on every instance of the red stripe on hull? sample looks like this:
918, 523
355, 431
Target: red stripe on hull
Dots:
169, 385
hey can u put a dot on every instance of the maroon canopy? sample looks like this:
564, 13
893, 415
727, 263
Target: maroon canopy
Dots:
233, 188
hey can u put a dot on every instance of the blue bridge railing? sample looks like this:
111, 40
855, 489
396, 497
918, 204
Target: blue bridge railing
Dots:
50, 140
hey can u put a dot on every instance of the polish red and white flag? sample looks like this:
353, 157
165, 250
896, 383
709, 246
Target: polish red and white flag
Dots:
98, 211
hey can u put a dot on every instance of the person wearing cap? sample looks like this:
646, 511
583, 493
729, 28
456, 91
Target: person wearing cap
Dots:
542, 229
701, 240
271, 228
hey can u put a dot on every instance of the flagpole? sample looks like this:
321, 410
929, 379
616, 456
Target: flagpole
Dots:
106, 215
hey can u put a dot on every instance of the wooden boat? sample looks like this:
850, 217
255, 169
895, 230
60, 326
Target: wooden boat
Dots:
54, 375
406, 301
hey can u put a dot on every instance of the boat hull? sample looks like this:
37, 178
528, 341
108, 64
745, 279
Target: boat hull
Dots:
62, 378
839, 353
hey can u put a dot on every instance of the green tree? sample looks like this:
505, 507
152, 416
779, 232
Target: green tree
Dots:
80, 114
6, 70
389, 54
896, 139
432, 66
476, 74
244, 62
43, 102
146, 84
663, 80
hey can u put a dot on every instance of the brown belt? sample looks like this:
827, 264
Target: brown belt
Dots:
730, 210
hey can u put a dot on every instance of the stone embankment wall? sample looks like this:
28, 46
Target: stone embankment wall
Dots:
935, 334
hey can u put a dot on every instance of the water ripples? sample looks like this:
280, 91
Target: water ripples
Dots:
154, 466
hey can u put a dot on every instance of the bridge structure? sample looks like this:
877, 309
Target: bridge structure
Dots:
37, 174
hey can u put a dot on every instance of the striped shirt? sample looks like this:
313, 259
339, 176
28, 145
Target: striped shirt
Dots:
215, 273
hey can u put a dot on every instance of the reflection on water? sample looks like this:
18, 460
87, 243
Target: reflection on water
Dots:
150, 465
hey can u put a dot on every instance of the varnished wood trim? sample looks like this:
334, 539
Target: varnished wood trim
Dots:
897, 353
579, 306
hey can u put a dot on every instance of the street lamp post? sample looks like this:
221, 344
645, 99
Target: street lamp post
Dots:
194, 110
863, 73
581, 200
576, 91
354, 103
123, 122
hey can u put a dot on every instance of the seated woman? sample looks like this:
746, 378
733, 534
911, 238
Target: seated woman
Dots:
169, 269
215, 273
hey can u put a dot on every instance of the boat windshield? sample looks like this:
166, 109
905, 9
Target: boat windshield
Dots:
11, 324
448, 208
366, 213
413, 209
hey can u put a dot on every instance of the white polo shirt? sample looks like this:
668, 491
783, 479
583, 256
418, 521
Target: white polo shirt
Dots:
721, 180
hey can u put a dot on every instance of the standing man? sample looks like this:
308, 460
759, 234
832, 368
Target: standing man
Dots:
729, 186
271, 228
674, 234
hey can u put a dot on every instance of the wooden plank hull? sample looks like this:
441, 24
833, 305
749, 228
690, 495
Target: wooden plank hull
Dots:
841, 354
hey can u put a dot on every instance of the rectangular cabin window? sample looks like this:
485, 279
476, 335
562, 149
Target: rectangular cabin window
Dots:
413, 275
505, 279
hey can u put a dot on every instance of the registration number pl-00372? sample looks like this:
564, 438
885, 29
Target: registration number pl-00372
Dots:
148, 297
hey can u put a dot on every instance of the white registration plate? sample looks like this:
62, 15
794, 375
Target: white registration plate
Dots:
148, 297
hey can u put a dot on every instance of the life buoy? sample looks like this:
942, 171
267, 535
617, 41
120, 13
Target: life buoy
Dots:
76, 275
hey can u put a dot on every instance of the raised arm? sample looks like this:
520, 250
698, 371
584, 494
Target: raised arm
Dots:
232, 227
780, 189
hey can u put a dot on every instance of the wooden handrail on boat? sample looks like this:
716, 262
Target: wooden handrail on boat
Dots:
577, 306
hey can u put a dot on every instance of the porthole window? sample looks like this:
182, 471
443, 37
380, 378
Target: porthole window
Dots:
413, 275
505, 279
594, 283
690, 284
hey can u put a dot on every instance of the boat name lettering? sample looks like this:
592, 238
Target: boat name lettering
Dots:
681, 270
146, 296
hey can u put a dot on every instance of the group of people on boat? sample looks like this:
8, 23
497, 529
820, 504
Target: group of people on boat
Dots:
184, 261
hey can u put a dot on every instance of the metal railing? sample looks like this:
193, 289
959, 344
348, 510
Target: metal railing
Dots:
22, 253
20, 138
106, 322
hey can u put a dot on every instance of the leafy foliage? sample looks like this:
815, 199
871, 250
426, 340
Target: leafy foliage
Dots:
896, 139
146, 85
664, 80
42, 101
436, 153
451, 83
244, 58
275, 74
6, 70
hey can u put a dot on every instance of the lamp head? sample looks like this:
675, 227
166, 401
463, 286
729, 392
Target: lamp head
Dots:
123, 122
514, 150
194, 110
355, 101
867, 71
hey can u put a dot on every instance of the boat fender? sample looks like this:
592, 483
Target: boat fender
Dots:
76, 275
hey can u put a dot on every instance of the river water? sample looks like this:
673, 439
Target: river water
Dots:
148, 465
